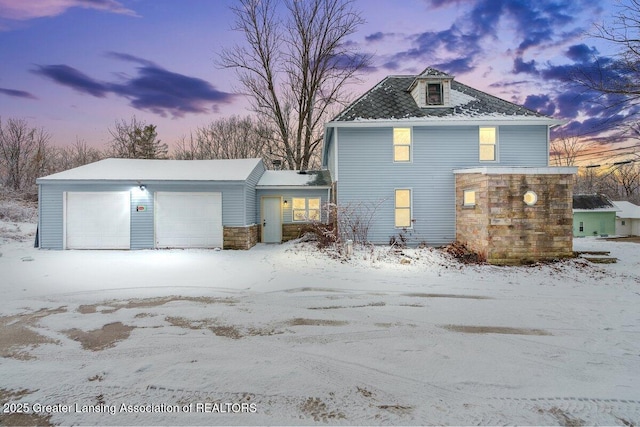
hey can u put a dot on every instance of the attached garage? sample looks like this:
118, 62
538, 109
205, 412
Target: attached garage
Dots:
188, 220
150, 204
97, 220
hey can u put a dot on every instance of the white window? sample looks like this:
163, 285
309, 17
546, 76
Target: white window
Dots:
401, 144
306, 209
469, 198
403, 208
488, 142
434, 94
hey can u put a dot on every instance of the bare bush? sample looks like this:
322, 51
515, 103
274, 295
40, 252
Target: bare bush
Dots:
354, 220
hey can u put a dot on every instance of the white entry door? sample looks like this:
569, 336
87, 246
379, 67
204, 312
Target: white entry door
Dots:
97, 220
188, 220
271, 220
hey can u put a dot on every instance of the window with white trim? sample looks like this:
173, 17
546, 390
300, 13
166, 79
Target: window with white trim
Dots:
488, 142
403, 208
434, 94
401, 144
306, 209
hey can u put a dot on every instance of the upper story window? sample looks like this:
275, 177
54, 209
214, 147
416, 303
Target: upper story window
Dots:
401, 144
434, 94
488, 143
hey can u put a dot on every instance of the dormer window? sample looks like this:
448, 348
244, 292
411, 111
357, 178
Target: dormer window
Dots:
434, 94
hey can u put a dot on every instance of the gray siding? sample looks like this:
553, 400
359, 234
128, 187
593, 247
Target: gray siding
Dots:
250, 194
368, 173
287, 213
142, 223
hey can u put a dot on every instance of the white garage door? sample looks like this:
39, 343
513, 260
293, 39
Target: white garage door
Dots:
98, 220
188, 220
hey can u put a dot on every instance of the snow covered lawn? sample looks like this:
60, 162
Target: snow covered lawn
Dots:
286, 334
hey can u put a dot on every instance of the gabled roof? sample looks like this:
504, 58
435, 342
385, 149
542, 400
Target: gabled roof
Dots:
592, 203
281, 179
391, 100
627, 210
158, 170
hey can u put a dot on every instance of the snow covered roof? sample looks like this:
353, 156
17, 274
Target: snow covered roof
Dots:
627, 209
159, 170
288, 178
391, 100
592, 203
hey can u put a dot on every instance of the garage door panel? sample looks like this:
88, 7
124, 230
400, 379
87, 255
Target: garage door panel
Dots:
98, 220
188, 220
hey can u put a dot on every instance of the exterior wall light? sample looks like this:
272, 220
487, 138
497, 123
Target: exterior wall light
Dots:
530, 198
285, 203
143, 187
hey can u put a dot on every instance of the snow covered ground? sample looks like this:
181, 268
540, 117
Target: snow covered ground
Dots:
286, 334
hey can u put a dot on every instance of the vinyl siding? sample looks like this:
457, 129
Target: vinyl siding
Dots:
287, 213
251, 202
142, 223
595, 223
368, 173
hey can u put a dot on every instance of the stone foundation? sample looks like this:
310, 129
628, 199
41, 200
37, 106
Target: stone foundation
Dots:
503, 228
240, 237
289, 231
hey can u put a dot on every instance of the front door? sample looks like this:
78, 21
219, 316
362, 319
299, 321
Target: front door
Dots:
271, 220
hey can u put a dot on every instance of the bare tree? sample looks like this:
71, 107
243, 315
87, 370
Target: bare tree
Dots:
19, 143
231, 137
295, 67
621, 74
565, 149
78, 154
136, 140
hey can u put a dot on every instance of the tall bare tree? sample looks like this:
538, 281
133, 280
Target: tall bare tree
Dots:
22, 153
136, 140
565, 149
619, 75
231, 137
78, 154
295, 65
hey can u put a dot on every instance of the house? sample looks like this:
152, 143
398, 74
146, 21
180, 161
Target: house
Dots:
627, 219
145, 204
593, 215
443, 161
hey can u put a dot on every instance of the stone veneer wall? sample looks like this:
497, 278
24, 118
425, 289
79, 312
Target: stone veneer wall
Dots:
289, 231
504, 229
240, 237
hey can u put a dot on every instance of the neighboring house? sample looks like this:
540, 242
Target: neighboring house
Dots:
627, 219
448, 162
144, 204
593, 215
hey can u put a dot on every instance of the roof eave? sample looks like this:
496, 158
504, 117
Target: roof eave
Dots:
440, 121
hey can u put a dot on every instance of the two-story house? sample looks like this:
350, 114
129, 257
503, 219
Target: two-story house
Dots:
443, 162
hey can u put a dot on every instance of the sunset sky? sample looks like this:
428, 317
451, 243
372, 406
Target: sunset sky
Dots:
74, 67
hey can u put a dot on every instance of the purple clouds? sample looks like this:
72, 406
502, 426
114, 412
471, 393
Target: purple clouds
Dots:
153, 88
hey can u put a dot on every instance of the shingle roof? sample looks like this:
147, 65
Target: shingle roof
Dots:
592, 202
390, 99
